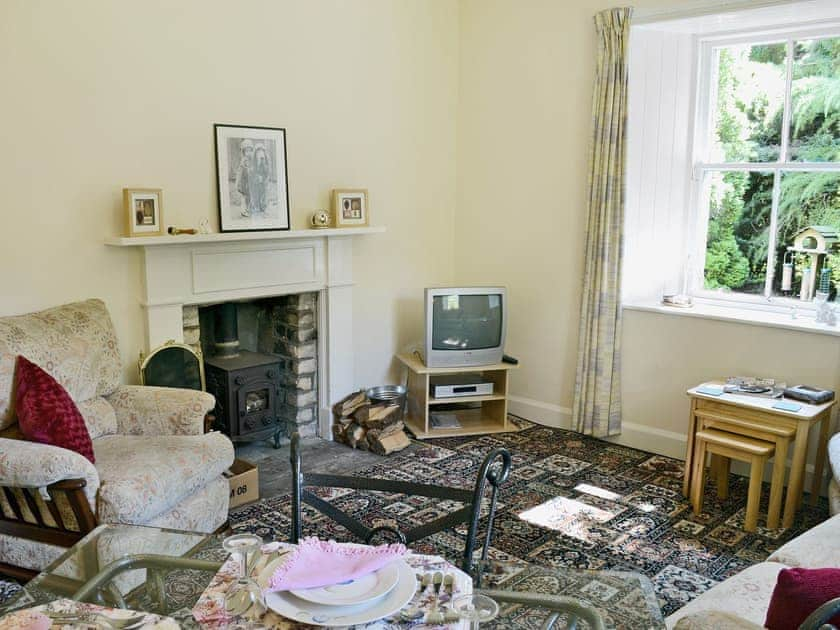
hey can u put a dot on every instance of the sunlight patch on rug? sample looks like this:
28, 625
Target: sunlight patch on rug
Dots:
573, 518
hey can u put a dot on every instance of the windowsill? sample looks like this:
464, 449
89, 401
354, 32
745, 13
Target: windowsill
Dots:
803, 323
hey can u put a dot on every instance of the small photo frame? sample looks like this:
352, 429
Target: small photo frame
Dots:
252, 178
143, 209
350, 207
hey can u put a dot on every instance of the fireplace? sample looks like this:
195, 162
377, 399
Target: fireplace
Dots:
184, 272
261, 364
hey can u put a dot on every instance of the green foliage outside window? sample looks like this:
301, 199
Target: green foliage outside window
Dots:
748, 127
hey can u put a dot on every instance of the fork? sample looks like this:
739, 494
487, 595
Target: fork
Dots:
87, 617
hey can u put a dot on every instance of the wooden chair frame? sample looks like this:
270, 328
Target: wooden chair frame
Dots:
495, 469
24, 518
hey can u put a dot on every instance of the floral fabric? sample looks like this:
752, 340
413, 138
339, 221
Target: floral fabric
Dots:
745, 594
818, 547
34, 465
145, 476
99, 416
205, 511
597, 405
74, 343
22, 552
714, 620
142, 410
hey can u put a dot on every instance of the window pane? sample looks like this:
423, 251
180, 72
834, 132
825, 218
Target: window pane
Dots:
739, 225
749, 102
815, 101
809, 208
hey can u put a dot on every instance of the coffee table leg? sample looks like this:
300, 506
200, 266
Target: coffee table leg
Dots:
797, 470
819, 463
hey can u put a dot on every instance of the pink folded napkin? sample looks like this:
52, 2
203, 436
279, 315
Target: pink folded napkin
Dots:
317, 563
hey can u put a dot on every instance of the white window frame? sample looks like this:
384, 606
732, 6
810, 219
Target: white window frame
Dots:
702, 134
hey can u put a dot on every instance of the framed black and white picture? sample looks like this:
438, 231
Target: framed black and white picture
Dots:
252, 178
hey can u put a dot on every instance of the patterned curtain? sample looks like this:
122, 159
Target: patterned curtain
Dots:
597, 407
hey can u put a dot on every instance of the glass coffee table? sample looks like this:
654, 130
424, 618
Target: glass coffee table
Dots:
623, 599
166, 571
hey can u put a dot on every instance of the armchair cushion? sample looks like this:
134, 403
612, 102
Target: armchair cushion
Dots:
144, 476
74, 343
34, 465
160, 410
46, 413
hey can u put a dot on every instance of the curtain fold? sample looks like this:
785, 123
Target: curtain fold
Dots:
597, 406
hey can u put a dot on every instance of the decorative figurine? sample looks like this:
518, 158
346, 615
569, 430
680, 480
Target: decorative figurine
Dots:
320, 219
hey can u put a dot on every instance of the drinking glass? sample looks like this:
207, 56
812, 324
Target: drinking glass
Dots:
244, 599
475, 608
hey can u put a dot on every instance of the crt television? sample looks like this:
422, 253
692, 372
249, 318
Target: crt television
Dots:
465, 326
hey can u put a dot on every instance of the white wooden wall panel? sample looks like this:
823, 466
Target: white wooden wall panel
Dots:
661, 80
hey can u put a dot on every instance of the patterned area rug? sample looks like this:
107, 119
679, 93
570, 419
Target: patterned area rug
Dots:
571, 501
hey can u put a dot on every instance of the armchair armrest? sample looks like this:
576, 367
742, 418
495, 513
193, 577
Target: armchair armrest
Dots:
143, 410
33, 465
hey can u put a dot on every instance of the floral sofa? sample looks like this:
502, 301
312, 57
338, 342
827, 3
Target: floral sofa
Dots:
741, 602
154, 464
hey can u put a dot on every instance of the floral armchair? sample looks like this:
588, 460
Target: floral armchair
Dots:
154, 463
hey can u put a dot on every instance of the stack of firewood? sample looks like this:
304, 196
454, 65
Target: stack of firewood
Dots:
360, 424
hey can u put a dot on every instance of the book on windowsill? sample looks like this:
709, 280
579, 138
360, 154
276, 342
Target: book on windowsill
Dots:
444, 421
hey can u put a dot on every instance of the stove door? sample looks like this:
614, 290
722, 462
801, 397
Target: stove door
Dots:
257, 404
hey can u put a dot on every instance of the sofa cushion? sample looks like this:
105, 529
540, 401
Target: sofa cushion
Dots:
818, 547
745, 594
74, 343
144, 476
46, 413
798, 593
100, 417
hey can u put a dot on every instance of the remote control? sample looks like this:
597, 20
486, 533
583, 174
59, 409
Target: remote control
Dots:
506, 358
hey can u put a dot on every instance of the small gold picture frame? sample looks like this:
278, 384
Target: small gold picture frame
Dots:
350, 207
143, 209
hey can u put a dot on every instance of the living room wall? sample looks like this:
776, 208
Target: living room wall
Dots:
101, 95
527, 71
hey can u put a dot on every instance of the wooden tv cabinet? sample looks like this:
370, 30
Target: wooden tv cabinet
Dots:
477, 415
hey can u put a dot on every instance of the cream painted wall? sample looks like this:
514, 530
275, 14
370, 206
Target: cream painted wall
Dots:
98, 95
527, 69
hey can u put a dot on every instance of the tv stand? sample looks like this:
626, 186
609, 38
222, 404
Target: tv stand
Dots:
477, 415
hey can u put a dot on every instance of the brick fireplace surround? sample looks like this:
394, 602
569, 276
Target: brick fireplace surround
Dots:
204, 269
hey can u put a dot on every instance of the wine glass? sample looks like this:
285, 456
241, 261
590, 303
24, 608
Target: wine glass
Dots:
475, 608
244, 599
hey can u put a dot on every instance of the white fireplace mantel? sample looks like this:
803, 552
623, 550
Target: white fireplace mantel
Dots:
213, 268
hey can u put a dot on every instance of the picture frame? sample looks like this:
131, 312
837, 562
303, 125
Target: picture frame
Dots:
143, 210
350, 207
252, 179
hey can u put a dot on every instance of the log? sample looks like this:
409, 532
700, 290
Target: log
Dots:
380, 417
354, 434
338, 432
347, 405
389, 444
382, 433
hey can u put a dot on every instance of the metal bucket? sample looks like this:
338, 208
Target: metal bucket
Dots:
390, 394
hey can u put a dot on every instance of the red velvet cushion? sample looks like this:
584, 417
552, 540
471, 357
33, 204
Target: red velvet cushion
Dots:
46, 413
798, 593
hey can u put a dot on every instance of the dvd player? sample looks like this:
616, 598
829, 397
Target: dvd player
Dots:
457, 385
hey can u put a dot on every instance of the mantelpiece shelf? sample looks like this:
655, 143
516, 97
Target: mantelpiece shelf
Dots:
231, 237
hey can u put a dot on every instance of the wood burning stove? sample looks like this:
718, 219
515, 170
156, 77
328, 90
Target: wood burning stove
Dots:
246, 385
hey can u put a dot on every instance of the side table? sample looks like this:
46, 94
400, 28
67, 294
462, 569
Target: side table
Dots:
760, 410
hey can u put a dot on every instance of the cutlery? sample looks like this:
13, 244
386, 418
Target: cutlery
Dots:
435, 616
92, 617
413, 612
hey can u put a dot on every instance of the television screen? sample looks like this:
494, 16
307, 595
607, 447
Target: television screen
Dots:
466, 322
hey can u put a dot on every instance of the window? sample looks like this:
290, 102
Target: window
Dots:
767, 168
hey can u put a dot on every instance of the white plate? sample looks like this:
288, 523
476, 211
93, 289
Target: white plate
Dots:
352, 592
287, 605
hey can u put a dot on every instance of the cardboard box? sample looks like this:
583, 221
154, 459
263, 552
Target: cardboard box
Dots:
244, 483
